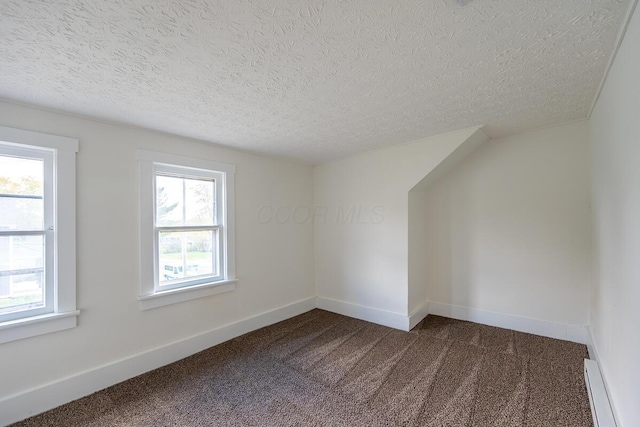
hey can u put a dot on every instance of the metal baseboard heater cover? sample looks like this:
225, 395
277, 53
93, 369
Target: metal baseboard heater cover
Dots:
598, 398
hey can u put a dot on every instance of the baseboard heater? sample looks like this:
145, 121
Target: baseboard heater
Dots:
598, 398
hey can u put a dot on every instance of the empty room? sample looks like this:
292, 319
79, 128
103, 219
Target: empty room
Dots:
319, 213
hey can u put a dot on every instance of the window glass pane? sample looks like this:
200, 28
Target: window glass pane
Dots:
184, 201
21, 189
187, 254
21, 273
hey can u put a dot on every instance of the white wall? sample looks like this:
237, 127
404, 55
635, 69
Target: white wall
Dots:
274, 261
363, 259
507, 228
418, 247
615, 293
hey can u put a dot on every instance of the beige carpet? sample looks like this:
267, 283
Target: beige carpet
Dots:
323, 369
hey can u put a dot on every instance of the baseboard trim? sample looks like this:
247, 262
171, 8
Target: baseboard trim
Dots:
574, 333
31, 402
544, 328
370, 314
591, 346
418, 314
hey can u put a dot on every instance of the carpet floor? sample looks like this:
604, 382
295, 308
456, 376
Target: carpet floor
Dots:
323, 369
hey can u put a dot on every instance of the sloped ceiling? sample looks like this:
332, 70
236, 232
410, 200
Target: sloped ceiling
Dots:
310, 80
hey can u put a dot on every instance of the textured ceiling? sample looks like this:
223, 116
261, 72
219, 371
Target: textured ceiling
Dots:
311, 80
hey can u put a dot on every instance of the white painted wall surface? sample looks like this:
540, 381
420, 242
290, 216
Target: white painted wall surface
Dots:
418, 246
363, 258
274, 261
508, 228
615, 292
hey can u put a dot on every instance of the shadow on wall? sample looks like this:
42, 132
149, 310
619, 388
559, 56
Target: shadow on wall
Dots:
506, 230
420, 237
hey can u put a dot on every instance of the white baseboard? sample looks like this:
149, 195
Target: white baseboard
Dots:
399, 321
418, 314
373, 315
28, 403
544, 328
591, 346
31, 402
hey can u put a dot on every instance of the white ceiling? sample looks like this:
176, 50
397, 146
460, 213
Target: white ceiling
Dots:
311, 80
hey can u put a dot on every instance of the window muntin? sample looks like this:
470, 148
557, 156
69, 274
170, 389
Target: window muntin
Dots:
27, 239
187, 243
184, 200
50, 229
188, 255
189, 226
186, 228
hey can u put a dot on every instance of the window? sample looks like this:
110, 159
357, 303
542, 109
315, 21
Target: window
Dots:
26, 236
37, 233
187, 235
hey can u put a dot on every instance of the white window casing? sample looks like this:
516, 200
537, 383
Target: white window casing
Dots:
153, 164
58, 231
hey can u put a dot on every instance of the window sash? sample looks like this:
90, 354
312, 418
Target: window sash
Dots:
218, 179
216, 258
223, 174
47, 295
162, 172
48, 231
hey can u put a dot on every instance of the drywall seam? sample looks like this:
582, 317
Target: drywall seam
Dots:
31, 402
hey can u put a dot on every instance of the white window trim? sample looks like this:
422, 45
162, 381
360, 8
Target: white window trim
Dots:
64, 315
149, 297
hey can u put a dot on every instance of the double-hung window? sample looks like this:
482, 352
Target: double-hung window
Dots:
186, 228
37, 233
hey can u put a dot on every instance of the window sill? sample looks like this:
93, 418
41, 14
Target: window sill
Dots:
37, 325
173, 296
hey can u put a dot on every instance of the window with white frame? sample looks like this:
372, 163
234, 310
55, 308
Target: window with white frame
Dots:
37, 233
187, 236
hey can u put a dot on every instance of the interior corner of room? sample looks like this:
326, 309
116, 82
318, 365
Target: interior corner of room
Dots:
535, 229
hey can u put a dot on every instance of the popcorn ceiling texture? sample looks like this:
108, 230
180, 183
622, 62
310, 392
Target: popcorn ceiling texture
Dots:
313, 80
